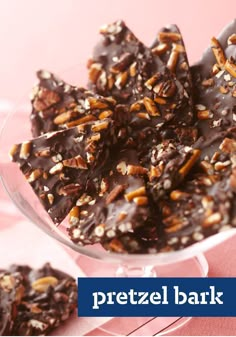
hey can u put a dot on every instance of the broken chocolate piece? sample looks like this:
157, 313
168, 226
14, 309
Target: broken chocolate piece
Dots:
170, 164
58, 164
118, 204
11, 293
169, 46
160, 106
132, 74
204, 205
117, 60
215, 84
197, 213
50, 297
139, 241
57, 105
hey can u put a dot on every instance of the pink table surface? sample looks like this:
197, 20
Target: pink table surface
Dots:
59, 34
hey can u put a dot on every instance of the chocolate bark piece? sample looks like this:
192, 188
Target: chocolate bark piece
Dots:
204, 205
139, 241
169, 46
11, 292
129, 243
187, 135
58, 164
170, 164
50, 297
168, 156
57, 105
118, 204
214, 77
116, 63
123, 67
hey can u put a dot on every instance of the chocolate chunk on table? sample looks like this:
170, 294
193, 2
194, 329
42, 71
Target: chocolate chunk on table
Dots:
123, 67
58, 164
118, 204
214, 77
50, 297
57, 105
11, 293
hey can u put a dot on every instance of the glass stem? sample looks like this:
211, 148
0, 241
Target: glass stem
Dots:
128, 271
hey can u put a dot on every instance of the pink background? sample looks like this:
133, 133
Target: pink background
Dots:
59, 34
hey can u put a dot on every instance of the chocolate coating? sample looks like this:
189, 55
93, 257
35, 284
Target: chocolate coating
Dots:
170, 165
123, 67
118, 204
140, 241
169, 46
202, 206
50, 296
58, 105
11, 292
58, 164
215, 85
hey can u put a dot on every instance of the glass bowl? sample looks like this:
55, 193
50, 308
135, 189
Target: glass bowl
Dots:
16, 128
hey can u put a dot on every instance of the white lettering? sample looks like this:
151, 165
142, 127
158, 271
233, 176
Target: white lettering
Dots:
110, 297
143, 297
215, 298
121, 298
203, 297
165, 300
155, 298
131, 294
180, 297
97, 301
193, 298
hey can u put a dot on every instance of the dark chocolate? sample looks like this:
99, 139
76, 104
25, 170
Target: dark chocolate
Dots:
57, 105
118, 204
169, 46
204, 205
123, 67
11, 293
58, 164
170, 165
214, 77
50, 297
140, 241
